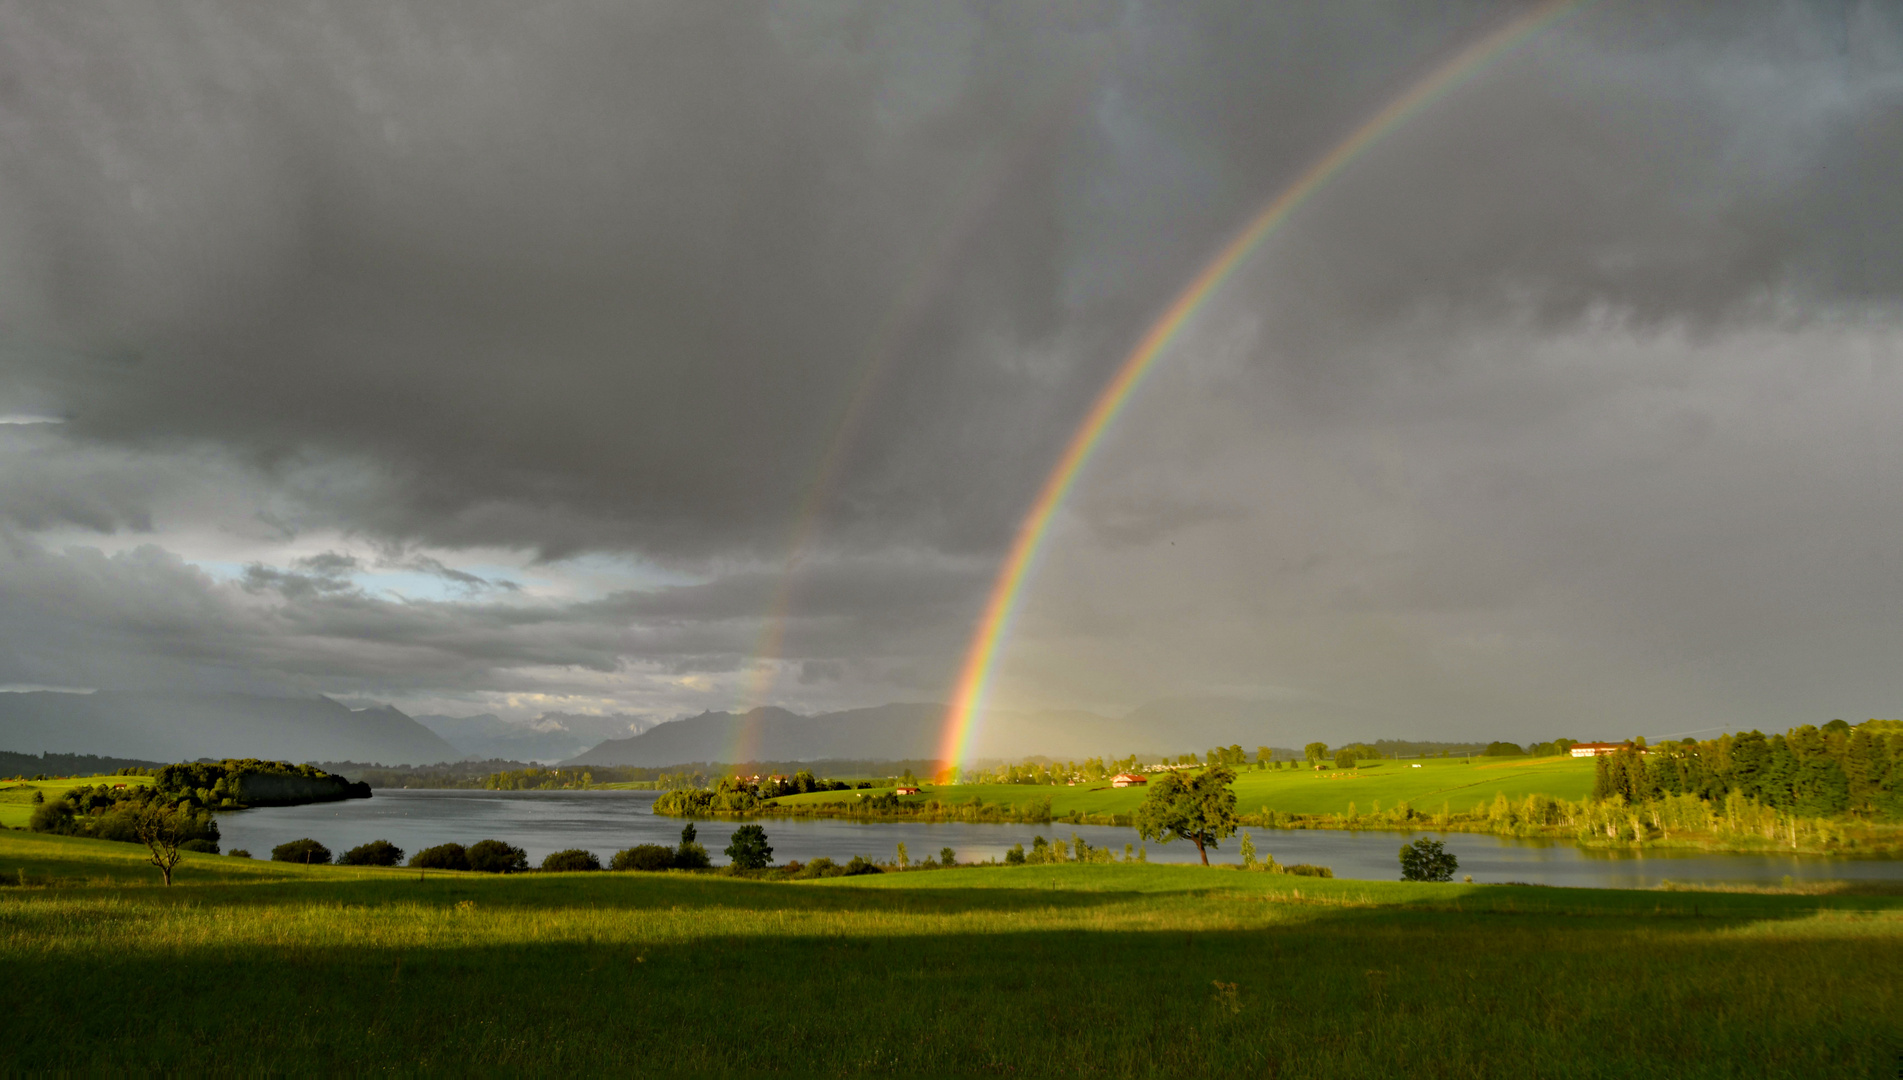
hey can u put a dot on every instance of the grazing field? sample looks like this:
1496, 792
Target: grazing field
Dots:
16, 796
1383, 784
1075, 970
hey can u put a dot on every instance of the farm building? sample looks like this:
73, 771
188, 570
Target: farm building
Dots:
1125, 779
904, 790
1594, 749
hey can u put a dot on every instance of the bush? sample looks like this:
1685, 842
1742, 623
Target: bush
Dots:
441, 857
238, 853
1427, 860
749, 849
691, 856
820, 867
1306, 870
563, 862
205, 847
861, 865
375, 853
496, 857
643, 857
306, 851
1014, 857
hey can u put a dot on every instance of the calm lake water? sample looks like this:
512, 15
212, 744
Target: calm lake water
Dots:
604, 822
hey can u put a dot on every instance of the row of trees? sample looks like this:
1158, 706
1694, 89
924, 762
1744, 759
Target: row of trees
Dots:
1808, 771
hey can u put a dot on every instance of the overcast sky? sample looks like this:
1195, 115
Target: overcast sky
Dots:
502, 357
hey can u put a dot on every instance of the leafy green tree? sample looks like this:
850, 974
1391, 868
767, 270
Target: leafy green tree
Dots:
1426, 860
1263, 755
441, 857
947, 857
374, 853
306, 851
496, 857
648, 857
905, 859
1199, 808
749, 849
1247, 851
163, 833
688, 834
1502, 749
570, 861
1315, 752
1014, 857
1345, 758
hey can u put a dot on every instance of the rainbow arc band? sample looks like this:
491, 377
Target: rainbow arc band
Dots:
961, 719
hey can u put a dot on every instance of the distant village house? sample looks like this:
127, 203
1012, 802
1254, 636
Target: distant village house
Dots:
1594, 749
1124, 779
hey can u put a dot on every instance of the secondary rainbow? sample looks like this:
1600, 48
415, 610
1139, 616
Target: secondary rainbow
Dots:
981, 655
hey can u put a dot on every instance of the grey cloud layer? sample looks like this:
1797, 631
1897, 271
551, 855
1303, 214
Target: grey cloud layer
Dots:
598, 278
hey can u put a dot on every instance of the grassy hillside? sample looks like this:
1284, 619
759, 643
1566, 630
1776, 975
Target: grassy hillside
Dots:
1085, 970
16, 796
1303, 791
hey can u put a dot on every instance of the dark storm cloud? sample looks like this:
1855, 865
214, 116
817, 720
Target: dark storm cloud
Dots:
582, 277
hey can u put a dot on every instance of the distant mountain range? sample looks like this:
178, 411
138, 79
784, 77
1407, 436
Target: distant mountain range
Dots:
181, 727
910, 731
549, 738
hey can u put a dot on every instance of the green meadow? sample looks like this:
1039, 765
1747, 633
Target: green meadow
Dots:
16, 796
1374, 785
1072, 970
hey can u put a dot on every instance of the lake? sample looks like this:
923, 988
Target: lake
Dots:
604, 822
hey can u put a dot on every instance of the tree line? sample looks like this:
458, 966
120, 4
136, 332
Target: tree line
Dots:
1810, 771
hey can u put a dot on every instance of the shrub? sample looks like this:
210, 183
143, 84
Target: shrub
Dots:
643, 857
563, 862
374, 853
1427, 860
749, 849
820, 867
1306, 870
238, 853
441, 857
861, 865
496, 857
202, 846
1014, 857
306, 851
691, 856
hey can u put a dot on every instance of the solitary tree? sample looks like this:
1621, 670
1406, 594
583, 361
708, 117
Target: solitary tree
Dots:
1199, 808
1345, 758
162, 829
1315, 752
749, 849
1427, 860
947, 857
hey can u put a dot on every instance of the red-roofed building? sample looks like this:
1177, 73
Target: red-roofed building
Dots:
1124, 779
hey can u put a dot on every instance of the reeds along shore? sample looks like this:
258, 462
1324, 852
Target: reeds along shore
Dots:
1736, 823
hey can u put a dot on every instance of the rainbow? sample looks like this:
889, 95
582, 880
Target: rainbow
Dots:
974, 676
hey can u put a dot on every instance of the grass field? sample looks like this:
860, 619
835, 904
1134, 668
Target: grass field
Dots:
1461, 785
16, 796
1077, 970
